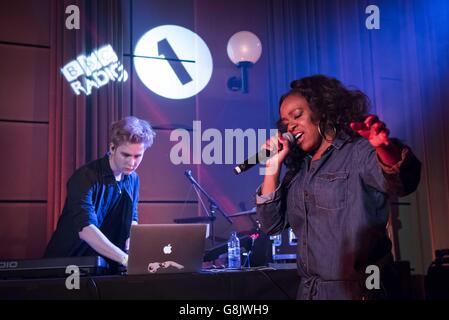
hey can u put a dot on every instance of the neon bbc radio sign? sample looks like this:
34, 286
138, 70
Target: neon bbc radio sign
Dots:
171, 61
94, 71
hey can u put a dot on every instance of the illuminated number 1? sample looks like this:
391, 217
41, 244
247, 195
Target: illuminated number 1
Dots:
165, 49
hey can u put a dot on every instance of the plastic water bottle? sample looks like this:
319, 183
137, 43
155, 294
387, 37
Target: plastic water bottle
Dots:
234, 261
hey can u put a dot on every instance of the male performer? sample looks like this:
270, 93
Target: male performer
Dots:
102, 198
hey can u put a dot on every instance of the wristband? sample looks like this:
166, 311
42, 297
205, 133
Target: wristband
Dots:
125, 261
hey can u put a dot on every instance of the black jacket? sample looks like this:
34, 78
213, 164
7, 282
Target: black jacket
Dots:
95, 197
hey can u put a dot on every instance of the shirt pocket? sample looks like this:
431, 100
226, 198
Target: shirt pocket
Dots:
331, 190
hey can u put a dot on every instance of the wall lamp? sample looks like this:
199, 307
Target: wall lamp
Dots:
244, 49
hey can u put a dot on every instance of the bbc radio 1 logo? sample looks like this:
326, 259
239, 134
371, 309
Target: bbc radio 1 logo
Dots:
94, 71
173, 62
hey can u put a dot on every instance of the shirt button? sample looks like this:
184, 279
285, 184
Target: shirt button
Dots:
306, 194
312, 169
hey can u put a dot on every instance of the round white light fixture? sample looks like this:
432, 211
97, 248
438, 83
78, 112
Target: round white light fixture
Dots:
244, 46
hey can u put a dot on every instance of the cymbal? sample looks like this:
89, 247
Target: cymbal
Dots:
243, 213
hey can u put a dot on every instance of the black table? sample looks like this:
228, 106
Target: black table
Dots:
260, 284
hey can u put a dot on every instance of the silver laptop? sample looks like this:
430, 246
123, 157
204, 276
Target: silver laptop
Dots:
166, 248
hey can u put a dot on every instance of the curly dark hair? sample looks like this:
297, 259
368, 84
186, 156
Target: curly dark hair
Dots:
331, 103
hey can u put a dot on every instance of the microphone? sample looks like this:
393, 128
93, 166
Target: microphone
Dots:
188, 174
255, 159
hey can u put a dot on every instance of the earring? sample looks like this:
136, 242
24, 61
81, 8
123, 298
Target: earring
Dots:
319, 131
324, 137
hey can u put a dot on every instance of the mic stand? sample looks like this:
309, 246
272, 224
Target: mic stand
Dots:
213, 205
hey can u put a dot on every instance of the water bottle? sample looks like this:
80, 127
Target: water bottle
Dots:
234, 261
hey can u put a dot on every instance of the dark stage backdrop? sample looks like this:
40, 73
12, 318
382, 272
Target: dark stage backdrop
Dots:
46, 132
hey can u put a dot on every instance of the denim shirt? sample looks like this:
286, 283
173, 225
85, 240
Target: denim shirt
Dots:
338, 206
95, 197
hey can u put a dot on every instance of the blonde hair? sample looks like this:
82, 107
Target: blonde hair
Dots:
132, 130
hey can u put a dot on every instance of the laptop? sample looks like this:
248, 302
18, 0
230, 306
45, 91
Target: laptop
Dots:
166, 248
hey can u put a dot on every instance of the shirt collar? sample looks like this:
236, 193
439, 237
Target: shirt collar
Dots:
337, 143
107, 170
340, 140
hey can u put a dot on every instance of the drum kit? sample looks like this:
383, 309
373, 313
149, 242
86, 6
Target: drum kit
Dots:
243, 213
251, 236
211, 212
219, 246
212, 218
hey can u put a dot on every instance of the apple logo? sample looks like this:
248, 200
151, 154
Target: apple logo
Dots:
167, 249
